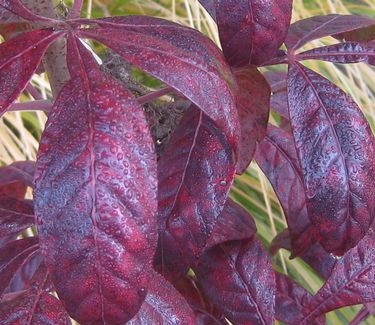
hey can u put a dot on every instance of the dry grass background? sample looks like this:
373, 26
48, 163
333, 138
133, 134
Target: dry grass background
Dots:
19, 132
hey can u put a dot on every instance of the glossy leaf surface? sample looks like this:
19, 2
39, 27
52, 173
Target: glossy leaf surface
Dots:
238, 278
351, 282
197, 150
167, 51
95, 196
251, 31
306, 30
336, 153
163, 305
253, 102
19, 58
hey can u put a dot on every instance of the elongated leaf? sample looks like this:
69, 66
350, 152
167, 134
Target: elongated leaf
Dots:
336, 152
351, 282
233, 223
19, 171
365, 34
348, 52
16, 8
95, 195
209, 5
16, 215
13, 256
168, 51
19, 58
290, 298
253, 103
163, 305
238, 278
35, 305
306, 30
251, 31
277, 157
188, 208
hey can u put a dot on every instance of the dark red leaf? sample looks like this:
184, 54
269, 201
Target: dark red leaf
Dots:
365, 34
195, 174
290, 298
16, 215
306, 30
13, 256
168, 51
336, 152
276, 155
253, 103
19, 58
163, 305
16, 8
209, 5
95, 195
19, 171
348, 52
351, 282
233, 223
35, 305
251, 31
238, 278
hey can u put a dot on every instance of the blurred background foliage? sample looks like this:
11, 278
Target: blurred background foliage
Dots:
19, 132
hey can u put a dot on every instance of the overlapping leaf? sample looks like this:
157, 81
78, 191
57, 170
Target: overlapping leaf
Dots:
253, 103
188, 209
95, 196
163, 305
168, 51
19, 58
238, 278
306, 30
251, 31
351, 282
336, 152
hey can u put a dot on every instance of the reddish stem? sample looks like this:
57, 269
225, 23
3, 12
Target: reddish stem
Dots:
76, 9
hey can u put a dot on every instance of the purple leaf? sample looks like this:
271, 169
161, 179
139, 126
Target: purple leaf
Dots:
238, 278
35, 305
209, 5
278, 101
168, 51
188, 209
336, 152
348, 52
253, 102
233, 223
251, 31
163, 305
16, 8
19, 58
16, 215
22, 171
95, 195
13, 256
306, 30
290, 298
364, 34
351, 282
277, 157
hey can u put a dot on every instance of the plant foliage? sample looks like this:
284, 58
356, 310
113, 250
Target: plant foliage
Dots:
125, 231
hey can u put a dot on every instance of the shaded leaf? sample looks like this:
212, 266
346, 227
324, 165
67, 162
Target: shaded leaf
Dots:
233, 223
19, 58
253, 103
19, 171
13, 256
35, 305
251, 31
306, 30
348, 52
365, 34
277, 157
188, 209
238, 278
163, 305
290, 298
351, 282
209, 5
16, 215
336, 152
95, 195
168, 51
